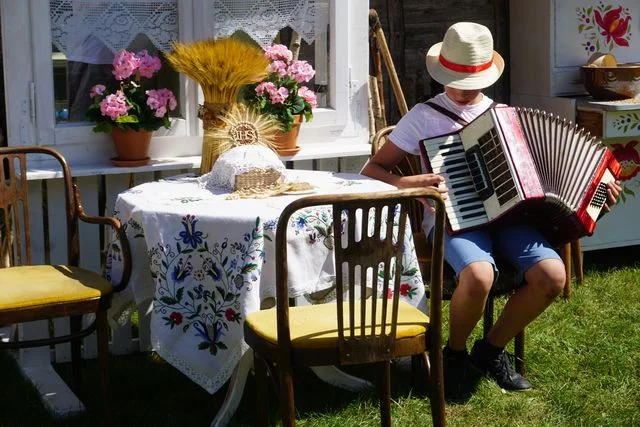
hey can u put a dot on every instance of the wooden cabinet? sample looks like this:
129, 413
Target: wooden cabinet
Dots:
551, 39
618, 124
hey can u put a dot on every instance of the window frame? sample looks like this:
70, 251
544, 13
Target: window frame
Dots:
30, 91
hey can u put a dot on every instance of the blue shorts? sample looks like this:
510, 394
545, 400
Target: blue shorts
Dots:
521, 245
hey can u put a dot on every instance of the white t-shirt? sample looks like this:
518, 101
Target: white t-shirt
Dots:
423, 122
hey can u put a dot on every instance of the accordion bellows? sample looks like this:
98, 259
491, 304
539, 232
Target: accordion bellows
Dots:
523, 165
246, 167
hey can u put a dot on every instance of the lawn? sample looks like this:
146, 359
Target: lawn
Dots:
582, 355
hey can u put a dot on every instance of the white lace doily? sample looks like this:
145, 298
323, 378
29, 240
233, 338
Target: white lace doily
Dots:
239, 160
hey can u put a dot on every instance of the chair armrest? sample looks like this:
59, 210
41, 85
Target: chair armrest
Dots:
122, 237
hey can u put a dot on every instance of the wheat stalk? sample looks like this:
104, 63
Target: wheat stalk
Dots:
221, 66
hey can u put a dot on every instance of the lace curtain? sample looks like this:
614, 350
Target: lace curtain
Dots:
91, 31
263, 19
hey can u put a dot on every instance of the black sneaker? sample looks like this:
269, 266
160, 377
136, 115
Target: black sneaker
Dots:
495, 363
459, 379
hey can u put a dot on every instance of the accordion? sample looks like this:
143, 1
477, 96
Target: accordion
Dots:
522, 165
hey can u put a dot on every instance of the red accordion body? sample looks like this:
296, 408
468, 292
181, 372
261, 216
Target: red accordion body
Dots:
522, 165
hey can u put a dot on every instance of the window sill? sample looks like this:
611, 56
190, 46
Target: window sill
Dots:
47, 170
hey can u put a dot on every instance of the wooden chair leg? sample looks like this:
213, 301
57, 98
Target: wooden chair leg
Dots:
576, 258
262, 389
75, 323
519, 352
565, 254
287, 407
436, 385
103, 360
487, 319
385, 394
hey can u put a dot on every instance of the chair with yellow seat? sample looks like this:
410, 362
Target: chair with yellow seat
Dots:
352, 331
40, 292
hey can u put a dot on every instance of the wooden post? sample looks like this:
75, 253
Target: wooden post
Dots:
374, 24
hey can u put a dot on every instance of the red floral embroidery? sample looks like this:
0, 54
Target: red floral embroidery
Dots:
230, 314
629, 159
404, 289
613, 25
176, 318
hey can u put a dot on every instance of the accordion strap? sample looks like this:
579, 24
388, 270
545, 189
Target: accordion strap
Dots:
453, 116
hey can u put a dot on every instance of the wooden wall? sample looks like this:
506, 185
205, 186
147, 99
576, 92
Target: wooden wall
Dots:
412, 26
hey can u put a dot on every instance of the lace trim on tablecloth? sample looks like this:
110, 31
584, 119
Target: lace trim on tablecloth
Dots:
210, 384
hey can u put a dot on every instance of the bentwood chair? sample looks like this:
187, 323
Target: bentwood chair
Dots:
353, 330
40, 292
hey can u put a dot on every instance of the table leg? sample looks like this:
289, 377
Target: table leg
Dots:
334, 376
235, 390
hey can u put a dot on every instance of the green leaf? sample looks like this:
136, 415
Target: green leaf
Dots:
229, 297
221, 291
628, 191
168, 300
248, 268
179, 294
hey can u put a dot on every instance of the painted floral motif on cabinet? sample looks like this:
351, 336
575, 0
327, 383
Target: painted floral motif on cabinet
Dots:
605, 27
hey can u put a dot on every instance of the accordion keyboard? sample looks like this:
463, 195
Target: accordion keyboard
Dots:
463, 205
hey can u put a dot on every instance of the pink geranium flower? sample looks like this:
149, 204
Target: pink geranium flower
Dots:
127, 104
281, 94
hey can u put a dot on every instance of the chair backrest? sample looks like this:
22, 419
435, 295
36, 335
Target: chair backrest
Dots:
410, 165
369, 231
15, 230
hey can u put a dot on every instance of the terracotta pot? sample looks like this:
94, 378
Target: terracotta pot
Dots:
286, 143
132, 147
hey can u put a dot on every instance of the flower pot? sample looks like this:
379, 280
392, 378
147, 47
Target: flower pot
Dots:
286, 143
132, 147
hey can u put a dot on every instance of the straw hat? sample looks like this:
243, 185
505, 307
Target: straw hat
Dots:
465, 58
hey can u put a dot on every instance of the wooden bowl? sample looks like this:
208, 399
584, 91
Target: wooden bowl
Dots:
612, 83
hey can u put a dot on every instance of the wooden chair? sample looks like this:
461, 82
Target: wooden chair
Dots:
352, 331
39, 292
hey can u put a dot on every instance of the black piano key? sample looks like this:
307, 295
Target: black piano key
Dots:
473, 215
450, 145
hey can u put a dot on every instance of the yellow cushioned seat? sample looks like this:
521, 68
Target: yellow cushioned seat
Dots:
37, 285
316, 326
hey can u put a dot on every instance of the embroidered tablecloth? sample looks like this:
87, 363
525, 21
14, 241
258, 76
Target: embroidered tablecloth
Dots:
207, 261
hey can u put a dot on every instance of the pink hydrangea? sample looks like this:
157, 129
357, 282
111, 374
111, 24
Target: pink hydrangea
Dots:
278, 52
302, 71
125, 64
148, 65
114, 105
160, 100
97, 90
308, 95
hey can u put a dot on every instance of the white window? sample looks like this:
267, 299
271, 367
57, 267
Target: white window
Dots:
46, 80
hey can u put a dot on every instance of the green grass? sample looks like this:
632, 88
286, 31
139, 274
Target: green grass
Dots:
582, 355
